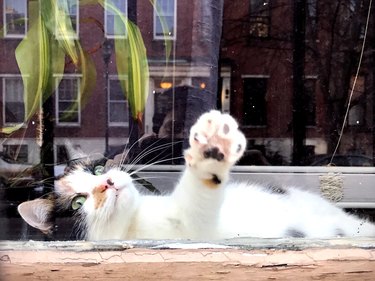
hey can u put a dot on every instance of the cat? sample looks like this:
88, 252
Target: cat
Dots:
204, 205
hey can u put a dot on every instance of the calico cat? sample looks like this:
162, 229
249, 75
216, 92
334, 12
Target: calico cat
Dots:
203, 205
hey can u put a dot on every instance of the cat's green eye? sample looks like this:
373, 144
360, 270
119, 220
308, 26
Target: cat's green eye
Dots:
98, 170
78, 202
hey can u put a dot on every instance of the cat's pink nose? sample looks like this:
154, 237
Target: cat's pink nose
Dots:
101, 188
106, 185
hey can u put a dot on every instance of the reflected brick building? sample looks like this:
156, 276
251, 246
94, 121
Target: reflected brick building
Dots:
255, 74
103, 111
257, 53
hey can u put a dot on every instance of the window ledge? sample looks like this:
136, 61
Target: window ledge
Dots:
341, 259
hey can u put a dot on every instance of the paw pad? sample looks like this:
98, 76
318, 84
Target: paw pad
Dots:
213, 153
226, 129
215, 136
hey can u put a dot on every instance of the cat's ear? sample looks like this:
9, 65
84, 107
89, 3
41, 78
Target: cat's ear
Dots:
37, 213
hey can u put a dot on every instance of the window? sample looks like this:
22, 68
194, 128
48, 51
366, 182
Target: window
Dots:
254, 104
68, 106
185, 58
165, 19
15, 18
356, 116
13, 106
310, 93
114, 27
69, 9
118, 111
312, 13
259, 19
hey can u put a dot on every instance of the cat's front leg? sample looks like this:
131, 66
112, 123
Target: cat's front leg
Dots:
215, 145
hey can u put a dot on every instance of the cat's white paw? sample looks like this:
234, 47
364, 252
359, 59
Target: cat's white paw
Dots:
215, 144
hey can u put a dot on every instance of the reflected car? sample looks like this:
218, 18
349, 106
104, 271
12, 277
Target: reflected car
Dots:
11, 170
348, 160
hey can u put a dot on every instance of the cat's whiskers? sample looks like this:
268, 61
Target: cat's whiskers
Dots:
146, 153
127, 150
150, 178
125, 155
45, 181
138, 141
157, 162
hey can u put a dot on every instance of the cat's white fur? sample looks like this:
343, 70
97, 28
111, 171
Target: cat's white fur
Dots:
204, 205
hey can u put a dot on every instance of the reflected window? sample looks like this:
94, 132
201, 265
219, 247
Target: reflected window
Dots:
118, 110
13, 106
259, 19
15, 18
356, 117
114, 26
70, 10
310, 101
254, 103
312, 17
165, 19
68, 107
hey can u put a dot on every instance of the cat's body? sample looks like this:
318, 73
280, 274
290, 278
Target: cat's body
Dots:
202, 206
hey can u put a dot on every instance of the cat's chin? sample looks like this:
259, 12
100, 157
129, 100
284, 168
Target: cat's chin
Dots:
123, 198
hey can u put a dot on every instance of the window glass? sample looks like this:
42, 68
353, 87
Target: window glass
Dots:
118, 106
69, 24
124, 80
13, 106
113, 27
15, 18
255, 110
164, 19
310, 91
259, 18
68, 102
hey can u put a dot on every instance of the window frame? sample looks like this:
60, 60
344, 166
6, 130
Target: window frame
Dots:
3, 78
106, 14
155, 17
256, 18
57, 100
76, 33
11, 35
115, 124
255, 76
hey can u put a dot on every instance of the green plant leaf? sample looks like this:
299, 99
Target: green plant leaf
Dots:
37, 69
131, 62
60, 25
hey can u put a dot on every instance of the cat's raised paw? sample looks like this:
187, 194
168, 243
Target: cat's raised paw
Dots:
215, 136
